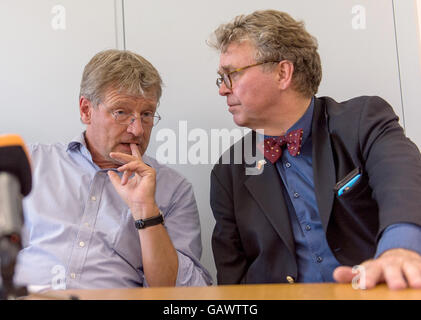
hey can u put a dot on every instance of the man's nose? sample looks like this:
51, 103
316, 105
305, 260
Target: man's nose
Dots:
136, 127
223, 89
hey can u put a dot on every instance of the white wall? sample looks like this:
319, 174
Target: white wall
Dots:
40, 68
409, 45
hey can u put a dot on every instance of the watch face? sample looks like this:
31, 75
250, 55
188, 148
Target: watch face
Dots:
144, 223
140, 224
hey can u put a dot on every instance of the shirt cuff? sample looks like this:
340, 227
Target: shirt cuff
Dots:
400, 235
190, 273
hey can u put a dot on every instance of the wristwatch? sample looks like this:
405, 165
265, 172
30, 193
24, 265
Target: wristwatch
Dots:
148, 222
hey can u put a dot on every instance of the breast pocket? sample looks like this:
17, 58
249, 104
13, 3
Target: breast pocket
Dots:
126, 243
355, 217
353, 185
355, 195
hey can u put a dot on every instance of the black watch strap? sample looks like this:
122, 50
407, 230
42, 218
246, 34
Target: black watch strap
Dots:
148, 222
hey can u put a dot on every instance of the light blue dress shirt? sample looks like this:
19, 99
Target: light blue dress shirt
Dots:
79, 233
316, 262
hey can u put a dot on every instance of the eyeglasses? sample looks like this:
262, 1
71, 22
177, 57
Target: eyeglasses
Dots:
147, 118
226, 77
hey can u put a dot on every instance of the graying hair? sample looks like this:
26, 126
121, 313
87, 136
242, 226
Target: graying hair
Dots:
122, 70
276, 37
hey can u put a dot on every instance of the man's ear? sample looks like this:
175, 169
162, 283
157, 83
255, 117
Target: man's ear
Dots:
285, 70
85, 109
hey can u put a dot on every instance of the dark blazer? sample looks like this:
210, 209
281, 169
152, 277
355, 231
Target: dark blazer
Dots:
253, 242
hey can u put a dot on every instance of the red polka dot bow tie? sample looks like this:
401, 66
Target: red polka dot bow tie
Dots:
273, 146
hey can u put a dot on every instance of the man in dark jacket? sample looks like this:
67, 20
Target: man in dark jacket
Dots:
339, 185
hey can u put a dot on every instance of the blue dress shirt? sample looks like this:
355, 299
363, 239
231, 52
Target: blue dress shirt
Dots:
316, 262
79, 233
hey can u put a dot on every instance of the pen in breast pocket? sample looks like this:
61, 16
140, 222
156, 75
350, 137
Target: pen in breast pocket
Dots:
349, 184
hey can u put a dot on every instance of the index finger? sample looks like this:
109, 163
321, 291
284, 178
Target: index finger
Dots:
343, 274
122, 157
135, 151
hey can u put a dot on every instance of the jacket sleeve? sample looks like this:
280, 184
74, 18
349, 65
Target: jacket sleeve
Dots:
393, 164
230, 259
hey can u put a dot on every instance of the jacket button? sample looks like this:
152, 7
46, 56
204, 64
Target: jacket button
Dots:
290, 279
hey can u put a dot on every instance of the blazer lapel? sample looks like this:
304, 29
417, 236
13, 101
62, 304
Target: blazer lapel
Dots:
266, 190
323, 162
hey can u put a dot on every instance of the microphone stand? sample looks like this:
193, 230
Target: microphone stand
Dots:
11, 221
9, 249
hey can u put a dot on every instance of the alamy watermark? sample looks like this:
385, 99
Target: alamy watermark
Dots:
359, 281
58, 21
198, 146
58, 281
358, 21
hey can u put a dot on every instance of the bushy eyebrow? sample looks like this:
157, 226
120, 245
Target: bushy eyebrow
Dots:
124, 103
119, 104
225, 69
150, 107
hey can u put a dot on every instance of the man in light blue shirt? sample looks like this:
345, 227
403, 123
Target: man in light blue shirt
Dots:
102, 214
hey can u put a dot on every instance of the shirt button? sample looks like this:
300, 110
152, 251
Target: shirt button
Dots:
288, 165
81, 244
319, 259
308, 227
93, 198
296, 195
73, 275
290, 279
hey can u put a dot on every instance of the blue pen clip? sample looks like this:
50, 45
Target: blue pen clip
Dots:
349, 184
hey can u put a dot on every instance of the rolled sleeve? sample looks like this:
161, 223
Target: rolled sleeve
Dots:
183, 226
191, 274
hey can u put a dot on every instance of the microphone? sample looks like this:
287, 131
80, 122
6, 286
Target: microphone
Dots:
15, 183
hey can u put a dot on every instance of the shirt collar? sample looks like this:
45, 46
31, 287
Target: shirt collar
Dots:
303, 123
78, 144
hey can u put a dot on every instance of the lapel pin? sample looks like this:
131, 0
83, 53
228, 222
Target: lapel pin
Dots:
260, 164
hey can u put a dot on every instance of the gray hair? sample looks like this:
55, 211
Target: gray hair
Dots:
276, 37
122, 70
